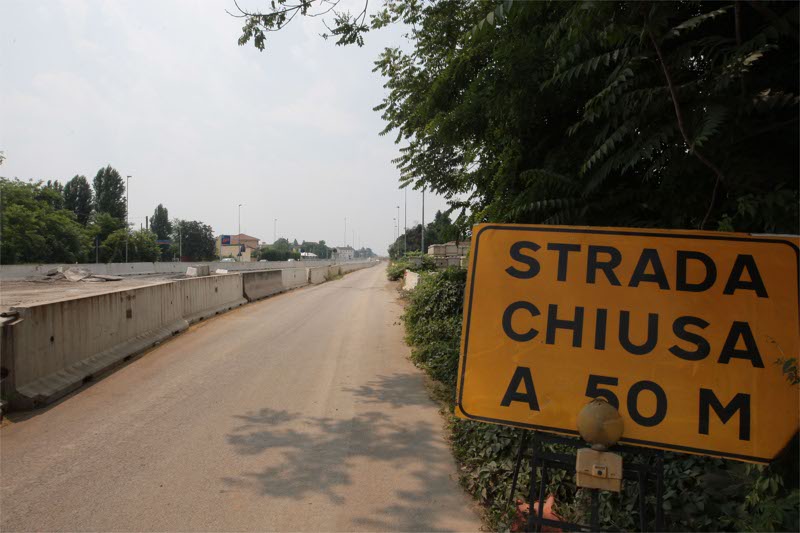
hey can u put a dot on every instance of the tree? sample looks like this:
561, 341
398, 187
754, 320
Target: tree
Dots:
606, 113
52, 192
34, 230
194, 238
78, 198
439, 231
141, 246
320, 249
561, 113
160, 224
109, 190
280, 250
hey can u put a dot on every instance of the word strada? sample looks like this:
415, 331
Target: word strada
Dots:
605, 259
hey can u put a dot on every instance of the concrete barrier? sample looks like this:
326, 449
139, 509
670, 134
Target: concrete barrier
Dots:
20, 272
210, 295
410, 280
53, 348
260, 284
319, 275
294, 277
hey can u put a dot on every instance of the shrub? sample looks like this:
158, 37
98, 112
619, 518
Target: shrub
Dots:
396, 269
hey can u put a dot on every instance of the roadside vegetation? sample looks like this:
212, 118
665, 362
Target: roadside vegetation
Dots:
75, 222
701, 493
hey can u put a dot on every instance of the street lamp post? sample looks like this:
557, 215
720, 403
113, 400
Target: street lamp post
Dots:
345, 231
422, 237
398, 221
239, 237
405, 220
127, 228
274, 230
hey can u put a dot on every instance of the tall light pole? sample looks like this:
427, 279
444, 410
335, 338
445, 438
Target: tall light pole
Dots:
239, 238
127, 228
398, 221
345, 231
423, 221
274, 230
405, 220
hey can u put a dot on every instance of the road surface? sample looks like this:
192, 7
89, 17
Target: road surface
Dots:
296, 413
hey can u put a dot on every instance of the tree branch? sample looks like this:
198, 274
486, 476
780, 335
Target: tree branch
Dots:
679, 115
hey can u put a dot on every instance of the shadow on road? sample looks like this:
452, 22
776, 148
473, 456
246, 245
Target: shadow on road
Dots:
406, 466
397, 390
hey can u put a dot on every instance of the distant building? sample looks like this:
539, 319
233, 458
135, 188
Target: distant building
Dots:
344, 253
241, 247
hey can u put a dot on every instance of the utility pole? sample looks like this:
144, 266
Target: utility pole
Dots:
274, 230
127, 228
180, 242
345, 231
147, 223
423, 221
239, 238
405, 220
398, 221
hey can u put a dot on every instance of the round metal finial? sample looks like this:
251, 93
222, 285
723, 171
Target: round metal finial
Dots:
600, 424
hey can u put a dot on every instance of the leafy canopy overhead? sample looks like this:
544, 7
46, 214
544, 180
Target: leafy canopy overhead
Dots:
666, 114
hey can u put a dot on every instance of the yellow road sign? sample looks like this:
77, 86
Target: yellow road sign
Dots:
682, 330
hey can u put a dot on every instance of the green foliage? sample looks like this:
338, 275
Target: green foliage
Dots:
109, 190
396, 269
34, 229
280, 250
78, 198
433, 323
485, 99
439, 231
195, 239
104, 225
141, 247
319, 248
160, 224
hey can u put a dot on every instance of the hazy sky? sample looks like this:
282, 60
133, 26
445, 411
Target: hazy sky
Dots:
161, 90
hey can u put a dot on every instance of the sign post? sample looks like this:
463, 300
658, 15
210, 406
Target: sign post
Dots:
684, 332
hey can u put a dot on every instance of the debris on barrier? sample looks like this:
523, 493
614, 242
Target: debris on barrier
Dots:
76, 274
197, 271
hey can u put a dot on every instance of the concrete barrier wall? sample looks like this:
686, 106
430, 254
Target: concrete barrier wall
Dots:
344, 268
261, 284
50, 349
294, 277
210, 295
55, 346
318, 275
19, 272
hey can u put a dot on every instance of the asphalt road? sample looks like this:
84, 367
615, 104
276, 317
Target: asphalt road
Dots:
296, 413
